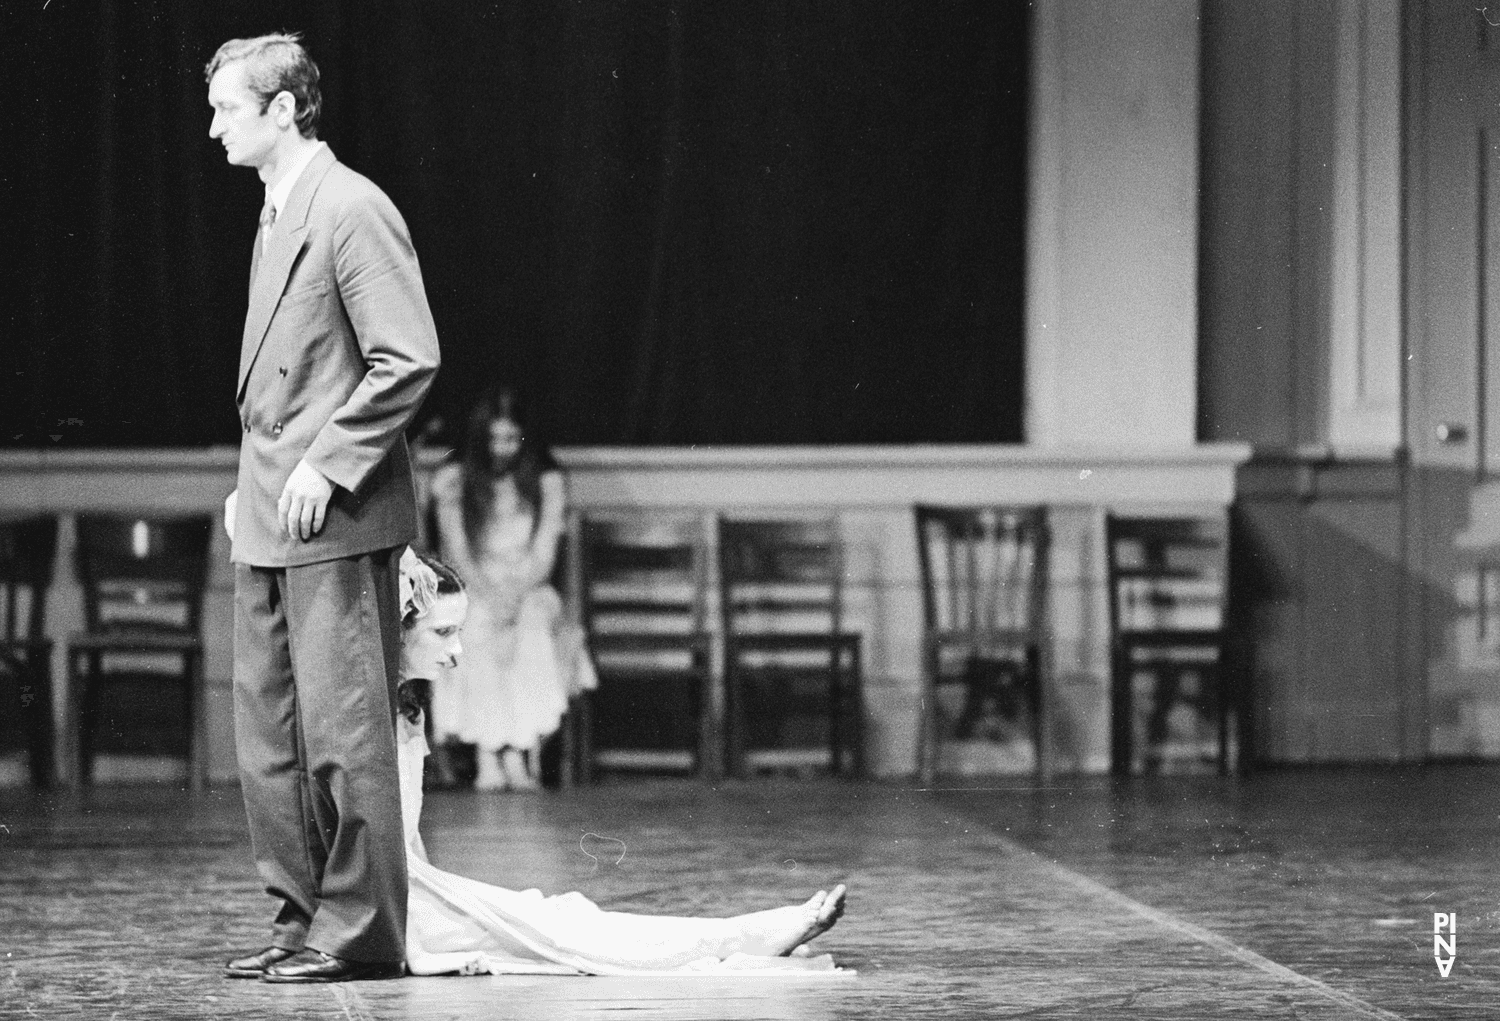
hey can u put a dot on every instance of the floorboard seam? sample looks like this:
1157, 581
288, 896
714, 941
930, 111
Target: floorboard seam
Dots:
1207, 937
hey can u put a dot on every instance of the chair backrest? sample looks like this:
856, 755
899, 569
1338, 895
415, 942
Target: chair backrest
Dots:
27, 546
1167, 575
642, 575
143, 571
780, 576
984, 569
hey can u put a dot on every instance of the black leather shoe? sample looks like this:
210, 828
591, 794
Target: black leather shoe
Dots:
316, 966
255, 965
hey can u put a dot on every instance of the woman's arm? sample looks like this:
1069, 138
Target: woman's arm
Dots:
448, 507
551, 520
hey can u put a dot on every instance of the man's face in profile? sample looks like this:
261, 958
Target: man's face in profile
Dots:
248, 133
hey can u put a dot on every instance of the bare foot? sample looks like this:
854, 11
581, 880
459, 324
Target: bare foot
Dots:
491, 775
782, 932
517, 776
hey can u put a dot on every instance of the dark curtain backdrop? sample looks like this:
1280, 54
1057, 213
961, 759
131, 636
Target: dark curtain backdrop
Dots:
747, 222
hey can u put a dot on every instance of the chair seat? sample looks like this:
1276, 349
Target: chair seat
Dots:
134, 638
792, 640
1165, 639
980, 638
39, 646
647, 671
648, 642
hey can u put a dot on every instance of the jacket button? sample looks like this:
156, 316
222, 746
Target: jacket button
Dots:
282, 370
276, 429
246, 425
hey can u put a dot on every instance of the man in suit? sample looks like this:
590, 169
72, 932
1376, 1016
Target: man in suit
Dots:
338, 351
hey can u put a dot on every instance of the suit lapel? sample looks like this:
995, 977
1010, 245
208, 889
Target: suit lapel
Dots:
271, 267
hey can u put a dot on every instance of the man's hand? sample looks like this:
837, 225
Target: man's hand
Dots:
230, 502
304, 501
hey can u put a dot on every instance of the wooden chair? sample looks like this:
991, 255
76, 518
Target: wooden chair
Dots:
27, 547
787, 659
1167, 590
984, 586
642, 592
143, 581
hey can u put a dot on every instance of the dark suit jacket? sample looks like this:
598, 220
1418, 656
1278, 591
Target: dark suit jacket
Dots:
338, 353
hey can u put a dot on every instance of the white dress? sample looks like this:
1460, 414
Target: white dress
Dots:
458, 925
523, 658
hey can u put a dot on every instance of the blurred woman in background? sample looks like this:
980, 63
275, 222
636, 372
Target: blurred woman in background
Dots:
500, 513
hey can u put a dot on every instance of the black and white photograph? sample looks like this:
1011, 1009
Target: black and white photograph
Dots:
750, 510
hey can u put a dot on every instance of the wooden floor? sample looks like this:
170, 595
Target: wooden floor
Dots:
1303, 894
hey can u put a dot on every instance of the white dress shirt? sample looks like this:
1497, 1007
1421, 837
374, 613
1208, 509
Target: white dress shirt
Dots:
283, 189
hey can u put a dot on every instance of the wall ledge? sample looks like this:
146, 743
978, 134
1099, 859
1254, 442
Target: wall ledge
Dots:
596, 457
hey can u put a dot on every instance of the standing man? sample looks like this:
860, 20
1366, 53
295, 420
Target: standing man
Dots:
338, 352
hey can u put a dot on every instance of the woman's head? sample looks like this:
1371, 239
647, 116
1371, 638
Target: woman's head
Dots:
506, 434
433, 608
500, 443
497, 433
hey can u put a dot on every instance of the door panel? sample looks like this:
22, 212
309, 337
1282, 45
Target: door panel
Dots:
1453, 382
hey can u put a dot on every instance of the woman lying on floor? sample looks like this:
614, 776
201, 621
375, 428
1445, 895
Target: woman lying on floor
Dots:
461, 925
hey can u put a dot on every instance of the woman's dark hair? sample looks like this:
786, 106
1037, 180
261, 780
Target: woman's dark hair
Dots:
480, 471
413, 698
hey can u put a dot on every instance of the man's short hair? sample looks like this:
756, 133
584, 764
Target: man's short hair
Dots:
275, 64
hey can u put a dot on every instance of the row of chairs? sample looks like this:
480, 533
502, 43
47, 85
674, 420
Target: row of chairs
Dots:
792, 671
792, 666
143, 581
987, 636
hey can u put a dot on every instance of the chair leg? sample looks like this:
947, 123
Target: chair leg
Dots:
836, 707
734, 730
72, 721
39, 726
198, 717
927, 751
1237, 674
1215, 677
583, 751
1040, 731
567, 741
1122, 725
855, 707
711, 738
88, 717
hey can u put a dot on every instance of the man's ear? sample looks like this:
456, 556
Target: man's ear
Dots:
284, 109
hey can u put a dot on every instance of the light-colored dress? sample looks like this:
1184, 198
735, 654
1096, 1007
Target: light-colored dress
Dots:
458, 925
523, 658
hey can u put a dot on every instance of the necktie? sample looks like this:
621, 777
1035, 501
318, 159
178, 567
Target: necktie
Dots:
267, 219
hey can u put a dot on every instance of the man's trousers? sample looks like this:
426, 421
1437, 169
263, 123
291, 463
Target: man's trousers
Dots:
317, 658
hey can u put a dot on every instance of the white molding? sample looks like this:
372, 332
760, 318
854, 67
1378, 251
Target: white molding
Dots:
694, 477
1046, 182
886, 477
